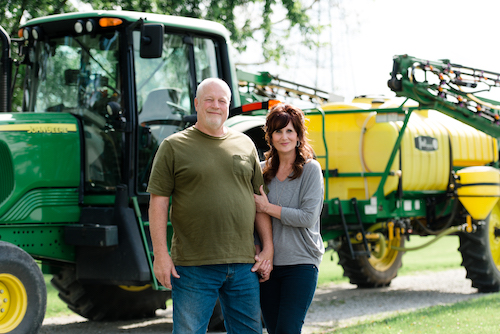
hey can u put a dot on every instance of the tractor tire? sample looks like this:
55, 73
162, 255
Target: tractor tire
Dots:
23, 294
100, 302
378, 270
481, 254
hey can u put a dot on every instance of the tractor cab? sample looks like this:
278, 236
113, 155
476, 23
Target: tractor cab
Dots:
129, 81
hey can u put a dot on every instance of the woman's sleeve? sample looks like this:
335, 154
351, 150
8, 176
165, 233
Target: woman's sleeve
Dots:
310, 198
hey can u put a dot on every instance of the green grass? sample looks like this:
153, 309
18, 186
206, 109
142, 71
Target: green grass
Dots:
478, 315
442, 255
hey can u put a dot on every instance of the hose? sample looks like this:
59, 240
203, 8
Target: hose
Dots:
448, 231
449, 221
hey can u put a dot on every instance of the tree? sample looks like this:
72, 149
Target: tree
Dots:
266, 21
243, 25
17, 10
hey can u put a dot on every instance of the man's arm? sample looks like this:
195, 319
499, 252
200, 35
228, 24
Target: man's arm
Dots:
264, 264
163, 266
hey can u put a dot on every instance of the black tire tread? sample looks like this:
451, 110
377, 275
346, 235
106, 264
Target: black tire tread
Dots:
477, 260
15, 261
361, 273
107, 302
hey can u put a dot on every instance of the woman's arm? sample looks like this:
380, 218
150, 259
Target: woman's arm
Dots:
311, 197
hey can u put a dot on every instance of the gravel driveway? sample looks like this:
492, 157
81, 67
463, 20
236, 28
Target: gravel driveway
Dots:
334, 305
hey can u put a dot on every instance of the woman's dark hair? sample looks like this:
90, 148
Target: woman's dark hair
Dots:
279, 117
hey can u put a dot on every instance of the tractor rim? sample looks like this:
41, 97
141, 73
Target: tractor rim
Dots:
13, 302
494, 227
133, 288
384, 261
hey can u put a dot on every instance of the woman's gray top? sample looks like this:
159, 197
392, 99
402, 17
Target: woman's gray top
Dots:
297, 235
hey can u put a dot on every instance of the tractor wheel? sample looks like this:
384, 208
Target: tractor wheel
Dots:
108, 302
481, 254
23, 294
378, 270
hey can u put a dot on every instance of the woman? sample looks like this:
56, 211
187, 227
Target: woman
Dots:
294, 202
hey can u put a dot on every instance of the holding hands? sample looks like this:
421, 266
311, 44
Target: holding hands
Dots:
263, 255
263, 263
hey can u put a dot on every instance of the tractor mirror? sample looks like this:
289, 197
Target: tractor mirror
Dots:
151, 40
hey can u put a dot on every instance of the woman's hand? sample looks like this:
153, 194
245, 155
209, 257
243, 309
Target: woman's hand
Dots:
261, 201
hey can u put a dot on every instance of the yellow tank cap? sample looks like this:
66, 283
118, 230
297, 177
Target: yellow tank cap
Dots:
478, 190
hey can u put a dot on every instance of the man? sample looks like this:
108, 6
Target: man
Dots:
211, 173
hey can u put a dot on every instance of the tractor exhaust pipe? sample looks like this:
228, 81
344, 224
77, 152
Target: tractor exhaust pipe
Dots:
5, 73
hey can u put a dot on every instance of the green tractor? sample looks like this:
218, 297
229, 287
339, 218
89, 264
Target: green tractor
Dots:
101, 90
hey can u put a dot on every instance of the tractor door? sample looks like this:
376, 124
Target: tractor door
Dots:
166, 88
80, 75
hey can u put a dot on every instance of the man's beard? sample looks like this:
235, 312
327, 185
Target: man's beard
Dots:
214, 121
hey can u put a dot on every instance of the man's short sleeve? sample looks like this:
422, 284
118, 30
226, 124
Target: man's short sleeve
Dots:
258, 179
161, 180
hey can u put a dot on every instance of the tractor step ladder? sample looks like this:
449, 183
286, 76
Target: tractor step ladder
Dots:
148, 250
354, 227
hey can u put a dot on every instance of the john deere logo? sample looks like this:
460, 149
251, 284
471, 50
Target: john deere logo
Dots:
39, 128
425, 143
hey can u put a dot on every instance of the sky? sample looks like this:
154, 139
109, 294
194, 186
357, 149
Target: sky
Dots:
366, 34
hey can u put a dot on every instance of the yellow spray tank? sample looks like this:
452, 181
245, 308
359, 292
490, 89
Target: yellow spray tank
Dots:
360, 144
478, 190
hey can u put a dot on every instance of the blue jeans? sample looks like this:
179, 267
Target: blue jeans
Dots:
286, 297
195, 293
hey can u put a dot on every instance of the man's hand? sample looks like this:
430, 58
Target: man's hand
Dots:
264, 256
163, 265
164, 268
263, 264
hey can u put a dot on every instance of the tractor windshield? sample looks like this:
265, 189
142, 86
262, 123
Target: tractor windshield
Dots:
80, 75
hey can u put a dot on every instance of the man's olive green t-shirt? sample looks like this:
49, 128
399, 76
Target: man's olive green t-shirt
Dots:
211, 181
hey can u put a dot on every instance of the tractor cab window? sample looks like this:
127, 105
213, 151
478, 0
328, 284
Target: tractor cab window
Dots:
165, 91
80, 75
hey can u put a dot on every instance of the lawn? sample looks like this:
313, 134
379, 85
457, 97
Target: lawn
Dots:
478, 315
